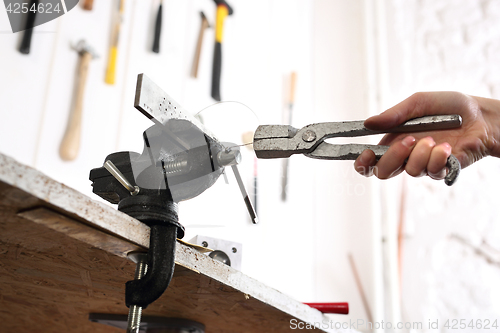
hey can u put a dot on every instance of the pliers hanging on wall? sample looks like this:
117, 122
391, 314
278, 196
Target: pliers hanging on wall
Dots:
282, 141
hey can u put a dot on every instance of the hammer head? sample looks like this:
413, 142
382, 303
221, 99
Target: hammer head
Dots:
204, 19
224, 3
83, 47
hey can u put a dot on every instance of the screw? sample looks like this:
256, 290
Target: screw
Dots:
309, 136
204, 244
134, 319
135, 312
235, 250
177, 167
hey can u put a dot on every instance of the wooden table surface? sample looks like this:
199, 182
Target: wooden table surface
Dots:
63, 256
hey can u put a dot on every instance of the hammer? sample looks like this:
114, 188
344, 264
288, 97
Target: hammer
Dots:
196, 59
71, 140
223, 10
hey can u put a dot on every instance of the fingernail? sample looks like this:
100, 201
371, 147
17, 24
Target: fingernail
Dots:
447, 147
359, 169
363, 158
409, 141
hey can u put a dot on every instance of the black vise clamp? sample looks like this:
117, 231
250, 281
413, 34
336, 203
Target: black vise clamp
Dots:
180, 160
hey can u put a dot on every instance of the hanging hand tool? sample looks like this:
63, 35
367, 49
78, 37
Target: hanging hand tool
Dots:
71, 140
28, 32
88, 4
156, 41
223, 10
288, 120
281, 141
113, 51
196, 60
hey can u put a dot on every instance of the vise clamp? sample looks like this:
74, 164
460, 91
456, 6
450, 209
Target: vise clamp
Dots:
180, 160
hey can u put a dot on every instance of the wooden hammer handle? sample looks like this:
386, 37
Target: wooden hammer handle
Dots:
197, 54
88, 4
71, 140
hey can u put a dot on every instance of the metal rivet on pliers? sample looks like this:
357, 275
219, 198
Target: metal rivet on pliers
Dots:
309, 136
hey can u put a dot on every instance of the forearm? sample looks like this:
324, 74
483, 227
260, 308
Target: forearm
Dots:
490, 109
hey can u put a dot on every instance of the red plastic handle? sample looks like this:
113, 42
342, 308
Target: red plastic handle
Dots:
339, 308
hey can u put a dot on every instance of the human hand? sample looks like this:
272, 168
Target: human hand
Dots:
427, 152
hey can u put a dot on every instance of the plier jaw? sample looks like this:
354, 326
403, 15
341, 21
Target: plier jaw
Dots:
275, 141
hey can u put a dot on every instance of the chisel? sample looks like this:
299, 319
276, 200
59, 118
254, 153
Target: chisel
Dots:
156, 42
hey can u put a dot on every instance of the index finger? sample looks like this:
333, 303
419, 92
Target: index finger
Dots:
418, 105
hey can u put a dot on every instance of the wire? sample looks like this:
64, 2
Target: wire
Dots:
245, 144
243, 104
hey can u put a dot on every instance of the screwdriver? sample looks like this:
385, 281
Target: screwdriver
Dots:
156, 42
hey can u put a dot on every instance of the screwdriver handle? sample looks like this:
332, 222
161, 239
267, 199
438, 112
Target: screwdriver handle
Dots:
111, 69
216, 71
221, 14
293, 84
28, 32
156, 42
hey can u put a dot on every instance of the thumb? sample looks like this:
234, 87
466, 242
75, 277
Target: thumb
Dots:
417, 105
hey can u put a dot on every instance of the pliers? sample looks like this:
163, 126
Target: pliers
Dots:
282, 141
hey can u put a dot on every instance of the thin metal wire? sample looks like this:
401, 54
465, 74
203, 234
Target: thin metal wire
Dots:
245, 144
224, 102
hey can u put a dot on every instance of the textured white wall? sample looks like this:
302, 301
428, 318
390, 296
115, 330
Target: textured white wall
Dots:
451, 253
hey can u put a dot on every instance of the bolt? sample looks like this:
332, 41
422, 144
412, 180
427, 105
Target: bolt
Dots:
235, 250
134, 319
177, 167
309, 136
204, 244
135, 312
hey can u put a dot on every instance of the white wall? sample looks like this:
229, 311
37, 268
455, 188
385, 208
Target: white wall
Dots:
451, 253
301, 246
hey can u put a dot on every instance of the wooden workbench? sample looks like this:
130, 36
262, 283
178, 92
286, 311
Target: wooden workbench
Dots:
63, 256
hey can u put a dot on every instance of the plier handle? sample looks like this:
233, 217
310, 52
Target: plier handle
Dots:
282, 141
